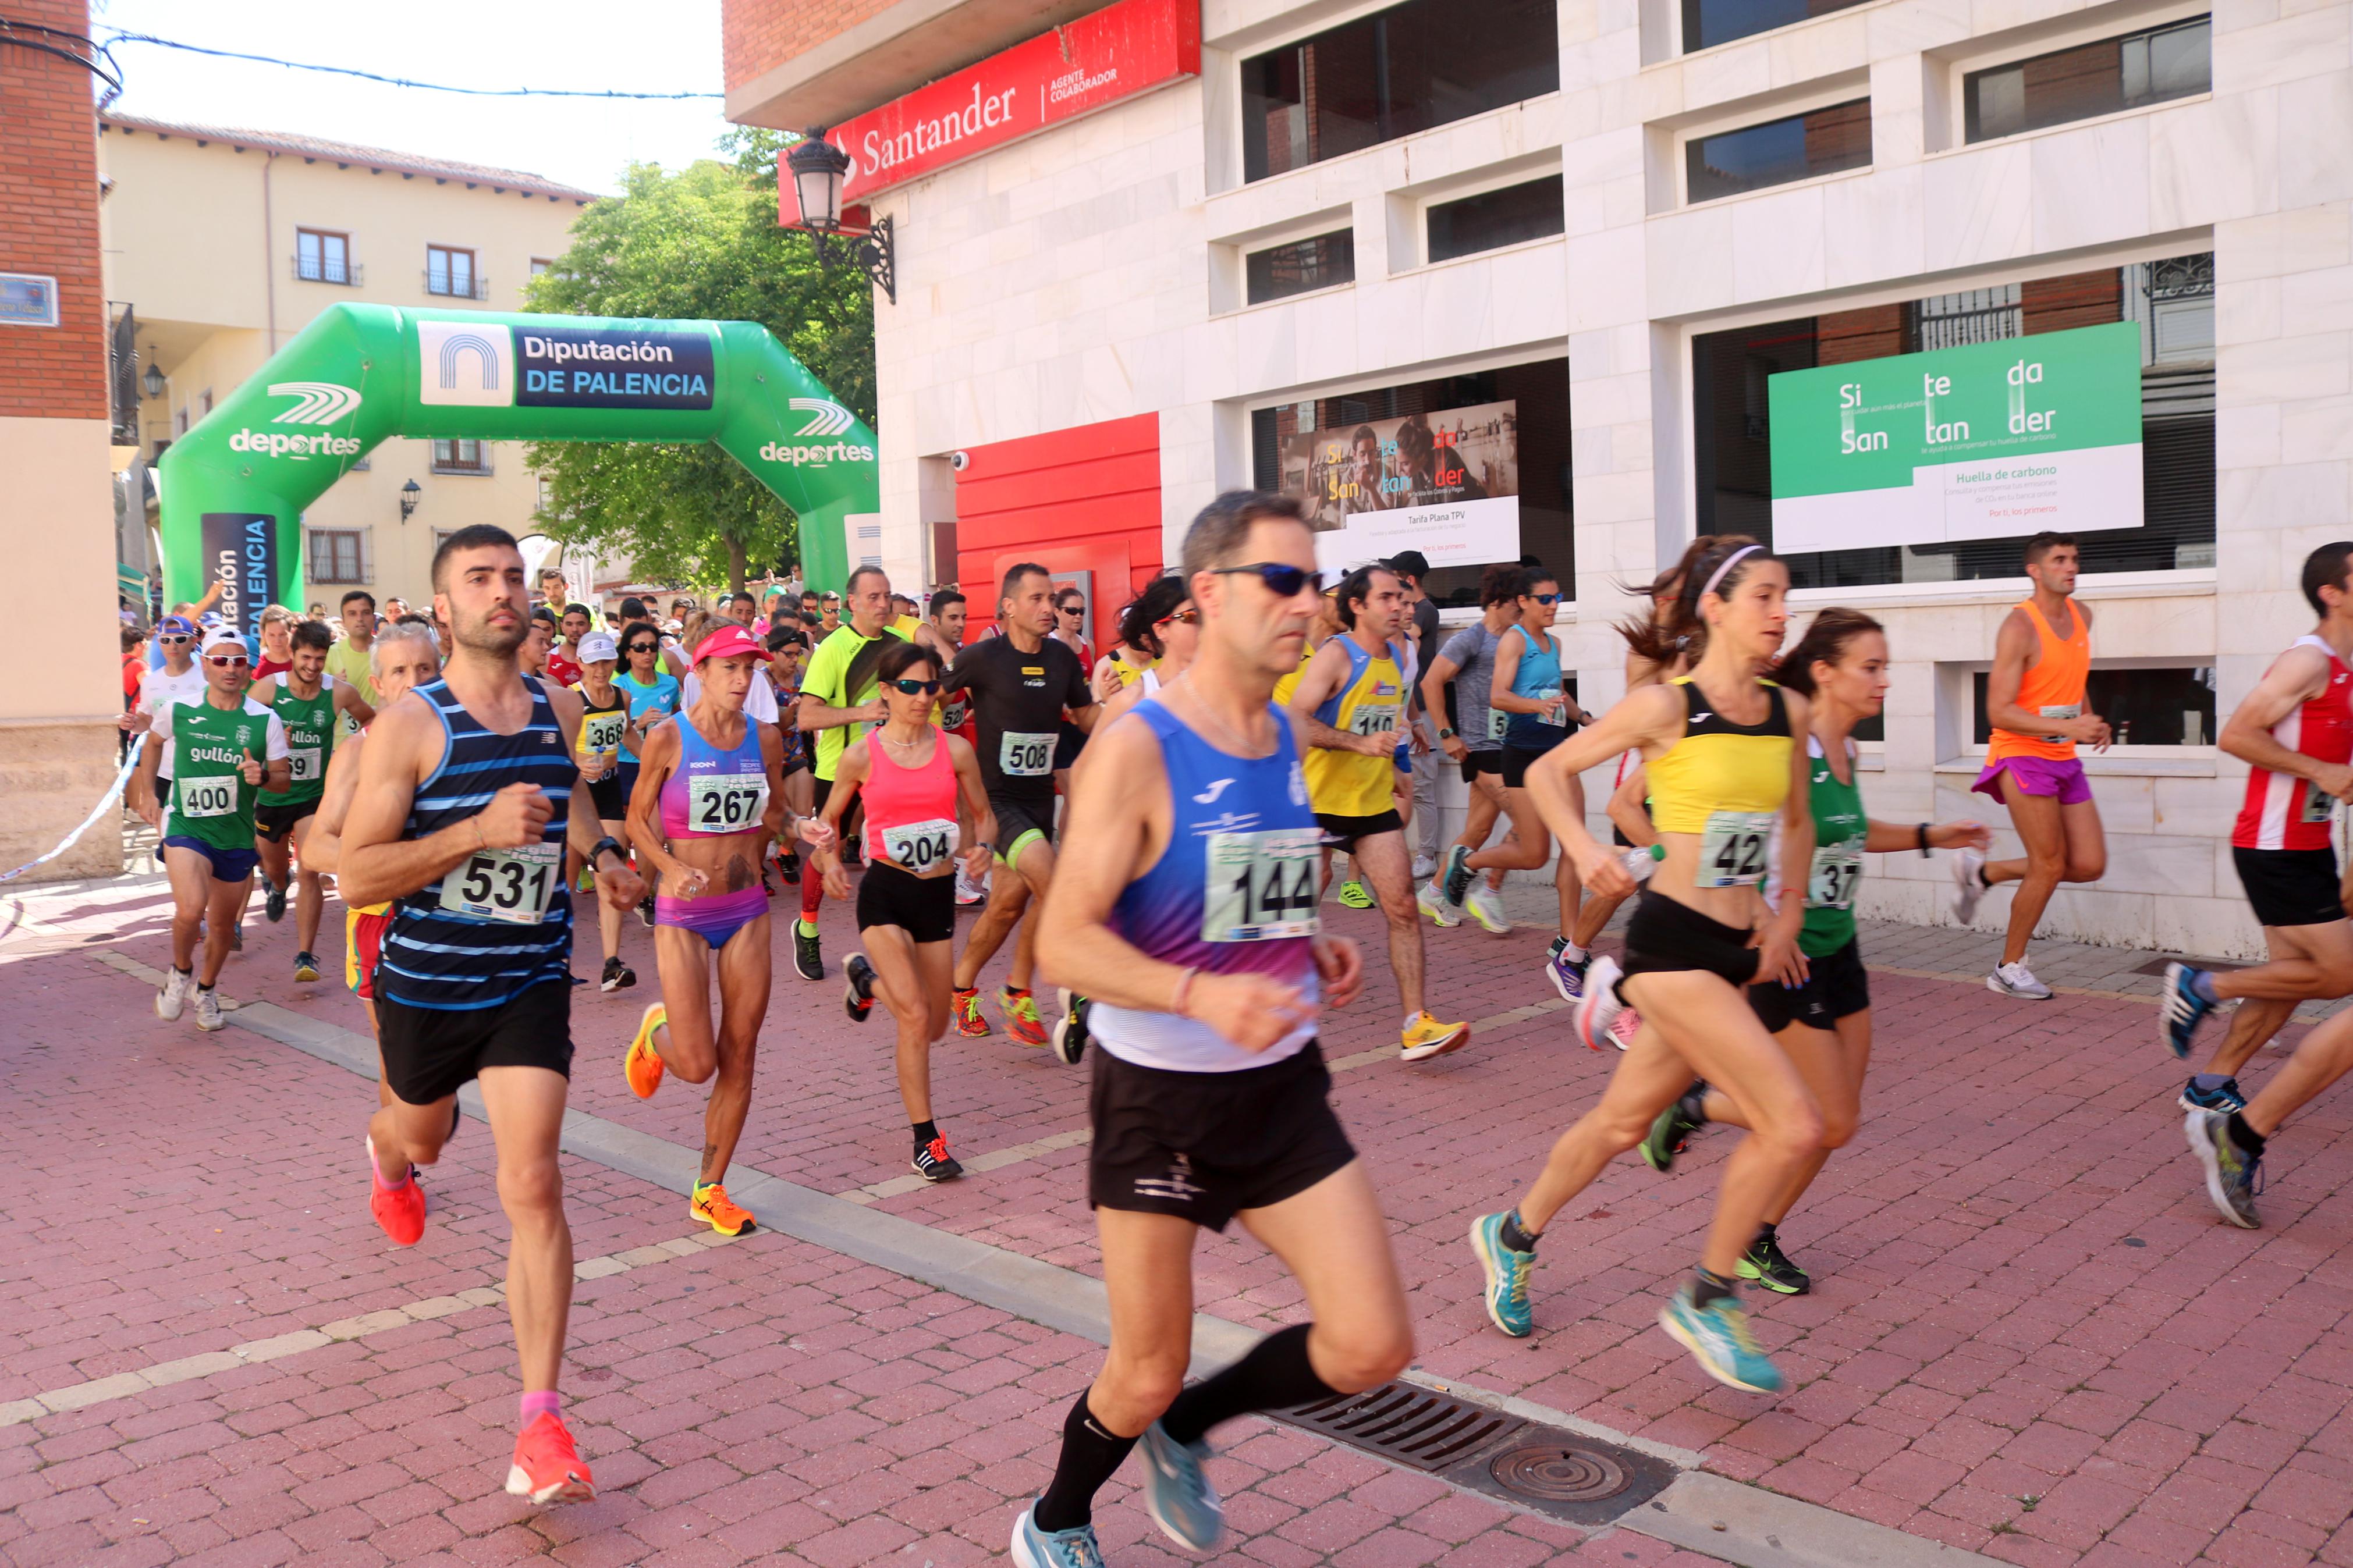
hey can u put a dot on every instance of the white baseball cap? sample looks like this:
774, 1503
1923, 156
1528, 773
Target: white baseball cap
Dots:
224, 636
594, 646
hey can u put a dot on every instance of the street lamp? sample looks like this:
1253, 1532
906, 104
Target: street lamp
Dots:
153, 382
817, 167
408, 494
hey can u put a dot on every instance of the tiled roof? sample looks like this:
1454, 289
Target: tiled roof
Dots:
320, 149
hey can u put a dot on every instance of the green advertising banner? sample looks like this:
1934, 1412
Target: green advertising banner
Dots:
1982, 441
232, 490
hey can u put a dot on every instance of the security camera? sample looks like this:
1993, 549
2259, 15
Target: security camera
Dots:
960, 461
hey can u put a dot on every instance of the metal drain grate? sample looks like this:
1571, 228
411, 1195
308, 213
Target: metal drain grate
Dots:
1564, 1474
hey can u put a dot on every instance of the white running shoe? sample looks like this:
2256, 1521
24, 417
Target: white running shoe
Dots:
1600, 1005
1424, 868
1968, 884
208, 1013
1486, 907
2017, 980
1434, 903
170, 1000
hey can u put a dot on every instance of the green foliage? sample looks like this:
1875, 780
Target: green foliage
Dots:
701, 244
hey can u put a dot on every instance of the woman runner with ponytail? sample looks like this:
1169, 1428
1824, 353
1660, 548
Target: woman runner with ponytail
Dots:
1725, 774
1825, 1023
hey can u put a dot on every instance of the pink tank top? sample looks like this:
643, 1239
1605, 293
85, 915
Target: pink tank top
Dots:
910, 812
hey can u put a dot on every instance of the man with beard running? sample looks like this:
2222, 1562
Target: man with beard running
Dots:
838, 706
1186, 907
305, 698
468, 795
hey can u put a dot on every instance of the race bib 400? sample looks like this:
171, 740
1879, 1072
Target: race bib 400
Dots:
211, 795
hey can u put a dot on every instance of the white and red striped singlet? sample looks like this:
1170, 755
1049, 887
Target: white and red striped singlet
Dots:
2282, 811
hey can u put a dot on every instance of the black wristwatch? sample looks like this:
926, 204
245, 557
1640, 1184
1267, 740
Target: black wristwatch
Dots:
607, 842
1445, 735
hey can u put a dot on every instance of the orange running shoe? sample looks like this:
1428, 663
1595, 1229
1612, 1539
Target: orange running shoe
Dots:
966, 1004
643, 1066
712, 1205
547, 1467
1021, 1019
400, 1210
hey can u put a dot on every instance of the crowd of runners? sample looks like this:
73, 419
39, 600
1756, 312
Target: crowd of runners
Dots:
1154, 831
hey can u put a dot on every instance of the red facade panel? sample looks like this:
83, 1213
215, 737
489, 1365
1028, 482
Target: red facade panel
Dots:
1081, 500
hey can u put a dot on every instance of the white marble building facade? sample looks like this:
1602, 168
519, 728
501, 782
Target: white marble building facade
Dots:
1094, 271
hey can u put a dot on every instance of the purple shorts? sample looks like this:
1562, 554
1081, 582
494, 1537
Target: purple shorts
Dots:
2038, 775
714, 918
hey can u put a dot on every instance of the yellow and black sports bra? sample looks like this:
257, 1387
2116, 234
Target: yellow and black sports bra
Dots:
1720, 766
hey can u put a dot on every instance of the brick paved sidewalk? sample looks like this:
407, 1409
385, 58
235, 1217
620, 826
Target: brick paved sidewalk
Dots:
2028, 1336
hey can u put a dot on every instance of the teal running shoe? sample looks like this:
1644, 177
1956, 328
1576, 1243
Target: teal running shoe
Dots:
1507, 1277
1177, 1494
1035, 1548
1718, 1335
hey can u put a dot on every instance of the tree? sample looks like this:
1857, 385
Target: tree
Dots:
701, 244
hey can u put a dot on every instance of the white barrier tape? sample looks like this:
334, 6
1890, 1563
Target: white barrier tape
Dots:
113, 794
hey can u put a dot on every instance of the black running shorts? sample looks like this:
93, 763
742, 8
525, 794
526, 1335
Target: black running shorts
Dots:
2290, 887
1205, 1145
923, 907
275, 822
429, 1051
1837, 986
612, 800
1341, 833
1663, 937
1019, 824
1478, 762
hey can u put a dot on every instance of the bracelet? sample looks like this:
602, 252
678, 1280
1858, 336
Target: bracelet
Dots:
1923, 841
1184, 989
481, 839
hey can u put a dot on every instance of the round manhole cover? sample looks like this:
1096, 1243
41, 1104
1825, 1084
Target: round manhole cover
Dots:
1558, 1474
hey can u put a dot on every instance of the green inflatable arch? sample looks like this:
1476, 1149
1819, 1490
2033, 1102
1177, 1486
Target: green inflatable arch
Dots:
234, 488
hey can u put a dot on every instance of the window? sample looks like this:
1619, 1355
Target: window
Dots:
2173, 300
1301, 267
1495, 218
321, 256
1390, 74
460, 458
337, 555
1539, 390
2143, 706
450, 271
2129, 72
1708, 23
1819, 142
540, 263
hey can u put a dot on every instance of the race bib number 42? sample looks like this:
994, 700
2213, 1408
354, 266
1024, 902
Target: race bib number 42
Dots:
726, 802
511, 885
1736, 848
1261, 885
921, 847
211, 796
1026, 756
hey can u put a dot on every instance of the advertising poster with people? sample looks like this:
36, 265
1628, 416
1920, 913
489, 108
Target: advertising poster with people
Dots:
1446, 483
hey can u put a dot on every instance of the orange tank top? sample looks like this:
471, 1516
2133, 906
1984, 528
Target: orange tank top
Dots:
2053, 686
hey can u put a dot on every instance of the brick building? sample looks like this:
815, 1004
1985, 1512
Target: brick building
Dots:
56, 511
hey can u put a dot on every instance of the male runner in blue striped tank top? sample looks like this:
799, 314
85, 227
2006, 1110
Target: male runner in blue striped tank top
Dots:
469, 791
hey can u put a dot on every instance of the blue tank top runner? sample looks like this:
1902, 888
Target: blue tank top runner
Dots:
500, 921
1537, 676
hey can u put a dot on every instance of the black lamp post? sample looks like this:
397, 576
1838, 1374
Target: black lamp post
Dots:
817, 167
153, 381
409, 493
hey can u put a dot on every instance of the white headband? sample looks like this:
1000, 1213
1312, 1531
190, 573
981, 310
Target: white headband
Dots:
1729, 562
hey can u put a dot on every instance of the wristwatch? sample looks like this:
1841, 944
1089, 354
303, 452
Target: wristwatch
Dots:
598, 849
1445, 735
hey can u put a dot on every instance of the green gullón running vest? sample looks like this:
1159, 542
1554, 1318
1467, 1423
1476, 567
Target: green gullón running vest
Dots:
210, 799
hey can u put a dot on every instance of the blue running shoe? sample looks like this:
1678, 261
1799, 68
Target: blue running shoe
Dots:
1177, 1494
1454, 878
1718, 1335
2225, 1097
1567, 978
2179, 1009
2232, 1180
1507, 1277
1035, 1548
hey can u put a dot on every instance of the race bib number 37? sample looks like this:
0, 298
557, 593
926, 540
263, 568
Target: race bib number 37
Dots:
726, 802
1026, 756
511, 885
1837, 869
1261, 885
1736, 848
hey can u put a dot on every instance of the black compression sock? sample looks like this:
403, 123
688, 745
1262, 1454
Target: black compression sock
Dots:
2246, 1137
1695, 1104
1275, 1375
925, 1131
1707, 1287
1509, 1233
1090, 1454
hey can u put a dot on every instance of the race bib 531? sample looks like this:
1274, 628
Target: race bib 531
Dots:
511, 885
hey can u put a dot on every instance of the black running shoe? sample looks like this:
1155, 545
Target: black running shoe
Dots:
1669, 1134
2225, 1097
933, 1163
857, 997
789, 866
616, 975
273, 902
1070, 1036
808, 959
646, 911
1765, 1263
1454, 882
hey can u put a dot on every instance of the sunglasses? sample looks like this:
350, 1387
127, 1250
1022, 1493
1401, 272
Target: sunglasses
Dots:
174, 639
1188, 615
916, 687
224, 663
1283, 582
1074, 609
641, 647
1545, 598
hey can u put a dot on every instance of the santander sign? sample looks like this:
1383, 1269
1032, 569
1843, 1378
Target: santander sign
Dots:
1112, 54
